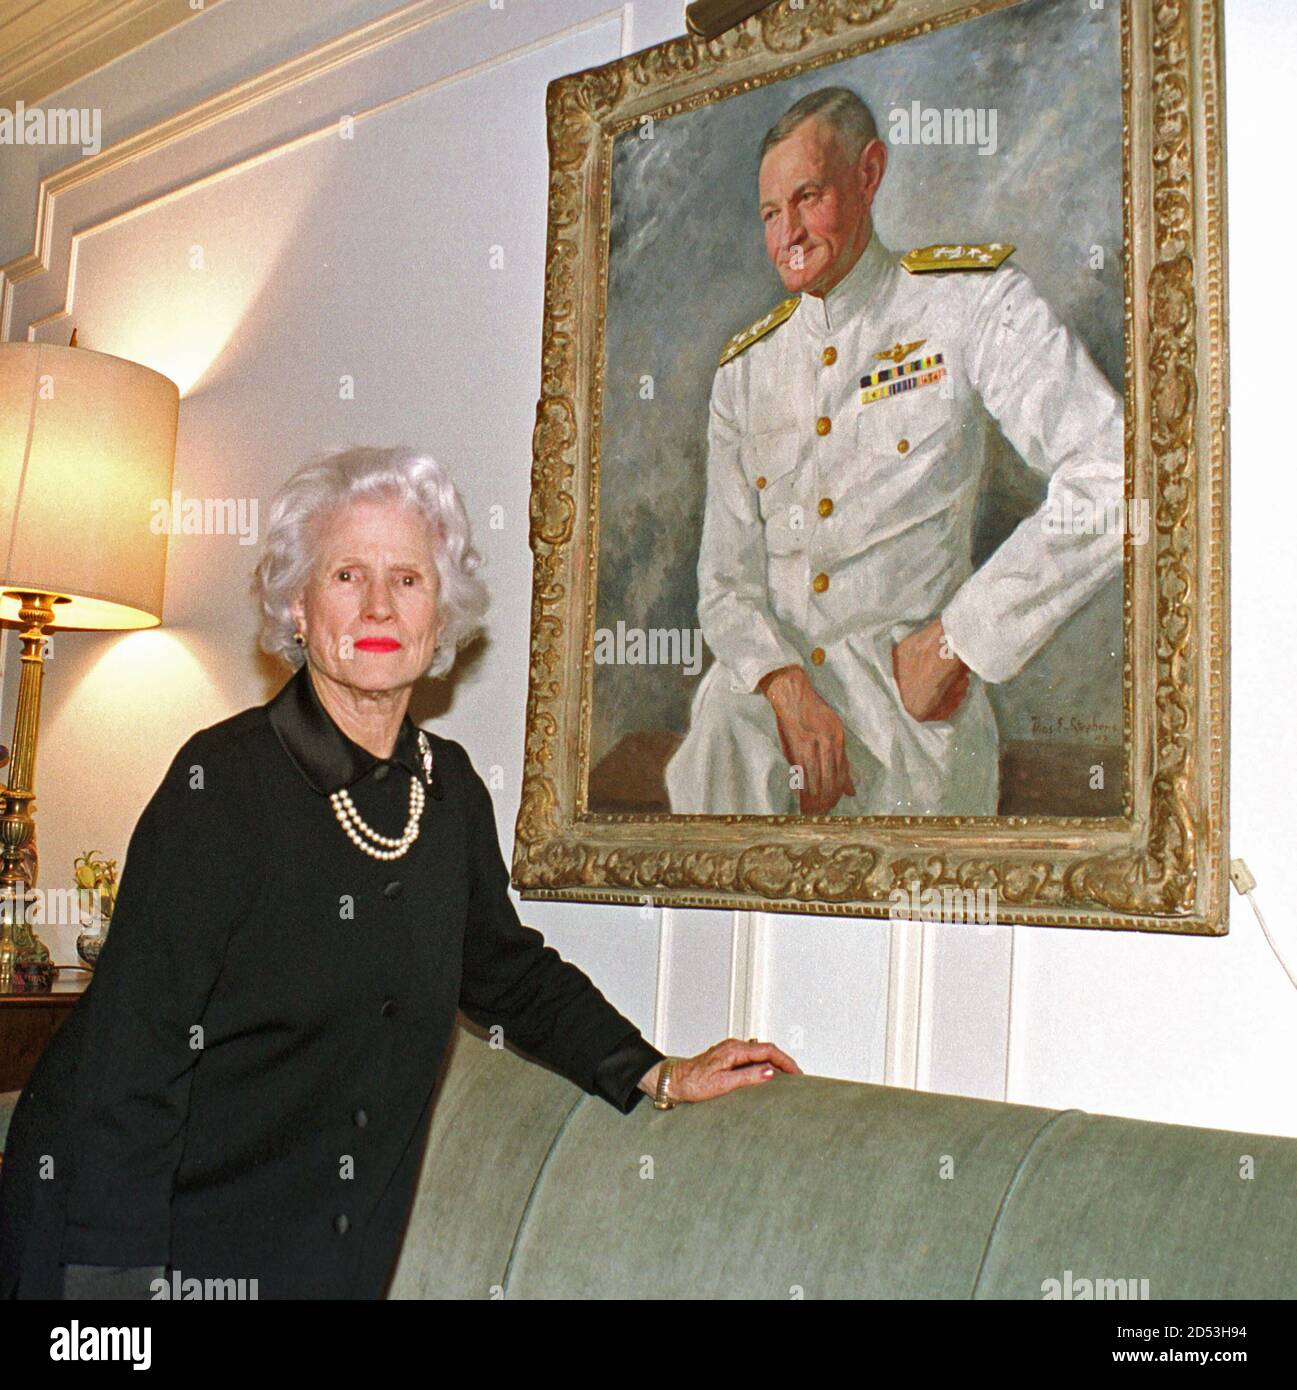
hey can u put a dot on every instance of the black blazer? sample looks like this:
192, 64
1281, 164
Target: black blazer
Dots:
244, 1089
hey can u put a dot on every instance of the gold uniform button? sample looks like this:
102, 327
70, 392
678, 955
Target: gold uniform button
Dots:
761, 481
826, 506
902, 446
823, 425
820, 583
829, 356
817, 656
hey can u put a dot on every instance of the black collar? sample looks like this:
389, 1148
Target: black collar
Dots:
320, 751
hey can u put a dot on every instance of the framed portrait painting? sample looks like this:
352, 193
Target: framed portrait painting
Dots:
878, 496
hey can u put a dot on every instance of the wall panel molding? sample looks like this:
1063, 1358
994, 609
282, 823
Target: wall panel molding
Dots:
47, 46
905, 993
341, 58
747, 981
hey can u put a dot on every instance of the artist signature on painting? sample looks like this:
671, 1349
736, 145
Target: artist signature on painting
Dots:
1070, 726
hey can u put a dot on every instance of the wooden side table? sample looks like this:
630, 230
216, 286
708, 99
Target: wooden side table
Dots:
29, 1021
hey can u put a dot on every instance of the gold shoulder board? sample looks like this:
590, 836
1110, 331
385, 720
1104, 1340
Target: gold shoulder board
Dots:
989, 255
759, 329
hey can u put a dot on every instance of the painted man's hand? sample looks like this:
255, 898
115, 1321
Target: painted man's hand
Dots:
931, 679
812, 737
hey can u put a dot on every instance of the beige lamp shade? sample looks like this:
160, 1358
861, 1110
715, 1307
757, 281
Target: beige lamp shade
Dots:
87, 449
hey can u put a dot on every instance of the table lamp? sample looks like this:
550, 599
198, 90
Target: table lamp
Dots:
87, 448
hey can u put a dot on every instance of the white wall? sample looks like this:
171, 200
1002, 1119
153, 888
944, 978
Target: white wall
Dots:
369, 258
1202, 1031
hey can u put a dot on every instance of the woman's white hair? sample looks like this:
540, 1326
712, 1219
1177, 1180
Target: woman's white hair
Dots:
307, 500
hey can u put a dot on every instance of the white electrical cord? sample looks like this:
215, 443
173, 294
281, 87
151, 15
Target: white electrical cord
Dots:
1241, 877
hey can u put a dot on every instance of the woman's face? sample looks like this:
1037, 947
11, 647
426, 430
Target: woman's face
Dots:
369, 610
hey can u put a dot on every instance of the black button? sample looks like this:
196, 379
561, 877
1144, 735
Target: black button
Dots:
393, 889
389, 1008
381, 771
341, 1224
360, 1119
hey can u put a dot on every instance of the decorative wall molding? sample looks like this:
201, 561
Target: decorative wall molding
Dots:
47, 46
662, 980
281, 80
905, 995
746, 983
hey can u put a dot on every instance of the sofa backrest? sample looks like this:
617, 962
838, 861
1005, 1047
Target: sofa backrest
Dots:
817, 1188
806, 1186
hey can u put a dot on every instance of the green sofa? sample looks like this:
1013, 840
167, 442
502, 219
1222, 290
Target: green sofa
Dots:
808, 1187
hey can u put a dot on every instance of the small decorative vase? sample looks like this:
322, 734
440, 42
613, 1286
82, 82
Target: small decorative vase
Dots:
96, 881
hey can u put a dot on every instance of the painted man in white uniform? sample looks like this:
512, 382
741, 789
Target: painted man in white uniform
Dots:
846, 446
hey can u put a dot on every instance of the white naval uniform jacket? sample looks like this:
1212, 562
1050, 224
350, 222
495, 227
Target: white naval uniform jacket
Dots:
834, 528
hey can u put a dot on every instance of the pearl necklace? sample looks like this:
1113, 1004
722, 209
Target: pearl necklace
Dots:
356, 827
351, 821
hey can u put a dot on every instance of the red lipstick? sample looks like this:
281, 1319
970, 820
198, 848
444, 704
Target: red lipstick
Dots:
378, 644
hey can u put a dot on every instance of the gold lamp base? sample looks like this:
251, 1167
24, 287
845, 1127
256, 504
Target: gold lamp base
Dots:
25, 964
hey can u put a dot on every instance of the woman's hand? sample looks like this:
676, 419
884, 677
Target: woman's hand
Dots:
721, 1069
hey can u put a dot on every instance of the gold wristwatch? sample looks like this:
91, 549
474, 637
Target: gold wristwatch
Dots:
660, 1100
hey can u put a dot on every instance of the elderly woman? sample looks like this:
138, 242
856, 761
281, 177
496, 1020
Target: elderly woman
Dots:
314, 889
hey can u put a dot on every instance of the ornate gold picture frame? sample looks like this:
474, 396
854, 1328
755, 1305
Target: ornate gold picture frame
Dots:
1155, 858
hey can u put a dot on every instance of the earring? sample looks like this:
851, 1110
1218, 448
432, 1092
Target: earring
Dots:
299, 639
